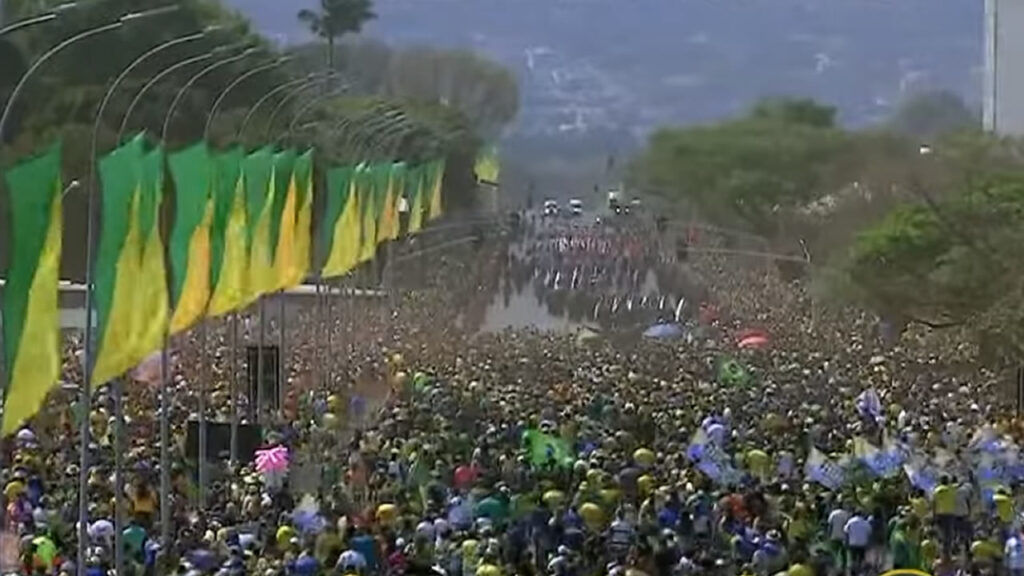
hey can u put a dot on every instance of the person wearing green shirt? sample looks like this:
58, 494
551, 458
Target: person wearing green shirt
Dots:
903, 551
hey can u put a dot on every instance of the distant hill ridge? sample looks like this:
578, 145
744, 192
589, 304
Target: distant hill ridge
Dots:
625, 66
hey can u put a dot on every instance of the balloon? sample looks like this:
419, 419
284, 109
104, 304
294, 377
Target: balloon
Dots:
464, 476
645, 484
554, 498
333, 402
387, 513
594, 476
330, 420
644, 457
592, 516
610, 496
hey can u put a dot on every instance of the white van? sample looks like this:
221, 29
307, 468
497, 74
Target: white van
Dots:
576, 207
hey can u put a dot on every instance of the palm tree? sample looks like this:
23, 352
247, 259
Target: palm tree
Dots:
335, 18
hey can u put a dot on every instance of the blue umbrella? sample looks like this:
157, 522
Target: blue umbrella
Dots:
665, 331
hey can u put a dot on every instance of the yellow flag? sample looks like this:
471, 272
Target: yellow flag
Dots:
32, 323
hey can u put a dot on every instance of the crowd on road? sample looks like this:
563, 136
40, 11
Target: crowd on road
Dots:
825, 450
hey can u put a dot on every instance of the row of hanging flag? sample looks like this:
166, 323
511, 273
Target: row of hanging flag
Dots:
243, 227
989, 459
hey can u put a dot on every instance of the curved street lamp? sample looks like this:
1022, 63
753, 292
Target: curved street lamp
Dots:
191, 81
364, 131
89, 232
313, 102
284, 100
60, 47
232, 85
37, 19
309, 79
165, 73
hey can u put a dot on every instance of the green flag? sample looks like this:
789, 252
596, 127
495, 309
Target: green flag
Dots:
543, 448
31, 325
732, 373
118, 260
192, 171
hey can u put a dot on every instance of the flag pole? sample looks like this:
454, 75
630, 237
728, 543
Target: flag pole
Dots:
262, 342
282, 357
204, 374
118, 390
233, 387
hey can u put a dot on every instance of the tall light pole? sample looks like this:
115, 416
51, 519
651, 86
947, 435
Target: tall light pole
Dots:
32, 20
311, 79
91, 191
60, 47
313, 102
85, 393
165, 73
220, 97
202, 326
191, 81
262, 307
233, 449
287, 97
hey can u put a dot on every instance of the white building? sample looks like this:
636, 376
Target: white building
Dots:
1004, 67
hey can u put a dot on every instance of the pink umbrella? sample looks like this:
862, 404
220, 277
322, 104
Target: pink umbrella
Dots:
273, 459
149, 370
755, 341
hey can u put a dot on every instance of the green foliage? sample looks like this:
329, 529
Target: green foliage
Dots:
63, 98
933, 114
746, 171
803, 112
485, 92
947, 262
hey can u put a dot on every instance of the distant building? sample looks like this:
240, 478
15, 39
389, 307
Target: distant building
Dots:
1004, 67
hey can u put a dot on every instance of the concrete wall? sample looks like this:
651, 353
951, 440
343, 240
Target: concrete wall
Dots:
1004, 67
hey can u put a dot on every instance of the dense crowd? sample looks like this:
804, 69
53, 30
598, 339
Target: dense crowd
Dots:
439, 449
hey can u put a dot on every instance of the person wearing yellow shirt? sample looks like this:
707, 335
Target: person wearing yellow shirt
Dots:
1003, 504
987, 551
919, 507
944, 507
800, 566
489, 568
758, 463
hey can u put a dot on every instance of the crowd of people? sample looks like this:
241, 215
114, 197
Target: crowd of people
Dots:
440, 449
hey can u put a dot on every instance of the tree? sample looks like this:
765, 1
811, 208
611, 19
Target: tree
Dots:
749, 171
804, 112
949, 261
335, 18
932, 114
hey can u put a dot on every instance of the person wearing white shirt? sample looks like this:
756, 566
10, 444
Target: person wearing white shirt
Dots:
1013, 555
858, 537
837, 535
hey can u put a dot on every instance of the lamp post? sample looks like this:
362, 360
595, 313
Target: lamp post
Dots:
91, 191
117, 82
165, 73
191, 81
284, 101
85, 397
202, 326
232, 85
313, 102
233, 449
308, 80
60, 47
34, 20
